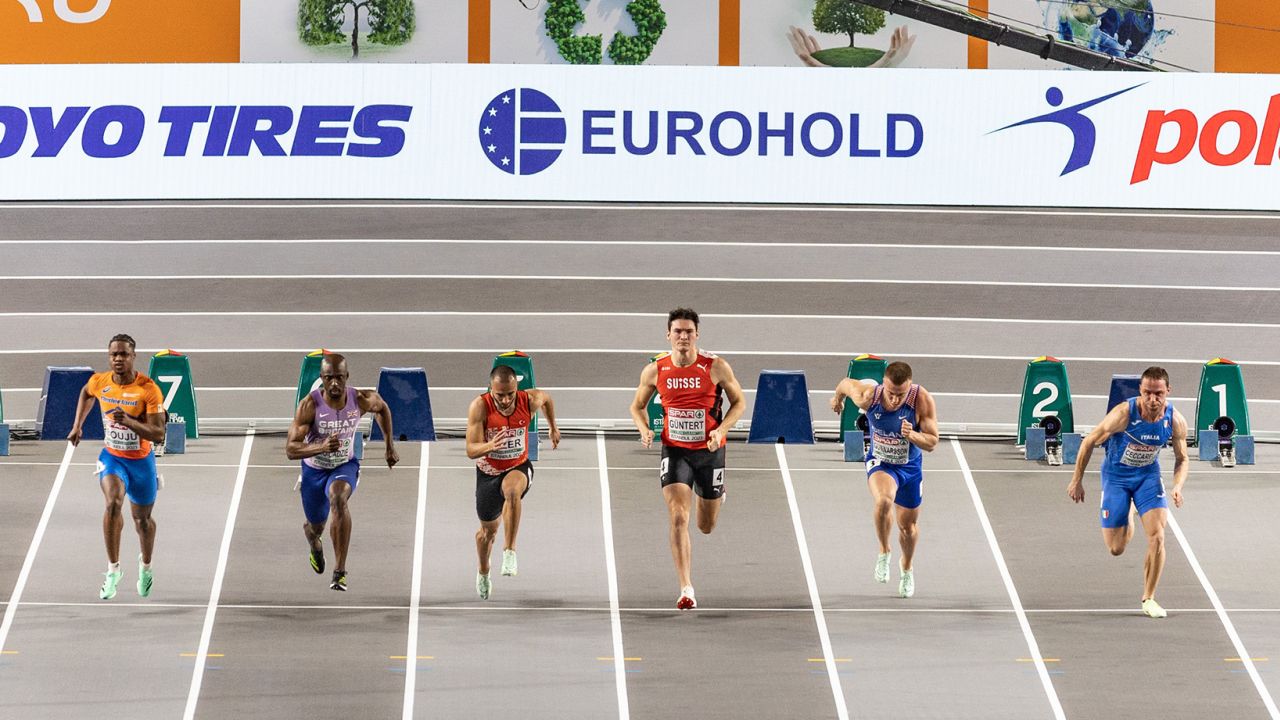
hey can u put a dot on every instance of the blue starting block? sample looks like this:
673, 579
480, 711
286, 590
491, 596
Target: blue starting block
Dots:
781, 412
405, 392
4, 439
1071, 447
1036, 447
357, 449
855, 446
56, 411
1207, 447
175, 438
1123, 387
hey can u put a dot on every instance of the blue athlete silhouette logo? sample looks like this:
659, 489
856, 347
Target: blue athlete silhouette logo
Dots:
1083, 132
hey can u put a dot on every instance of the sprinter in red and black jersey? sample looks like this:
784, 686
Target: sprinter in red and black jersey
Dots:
498, 426
689, 383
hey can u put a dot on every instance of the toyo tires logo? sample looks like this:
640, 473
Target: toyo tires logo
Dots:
522, 131
63, 10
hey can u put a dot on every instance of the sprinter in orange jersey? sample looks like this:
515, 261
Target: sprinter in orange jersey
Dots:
498, 425
132, 418
689, 383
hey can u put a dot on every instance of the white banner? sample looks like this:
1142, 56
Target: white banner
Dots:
1036, 138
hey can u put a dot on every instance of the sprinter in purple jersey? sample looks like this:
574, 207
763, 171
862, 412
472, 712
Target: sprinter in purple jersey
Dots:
323, 438
1133, 434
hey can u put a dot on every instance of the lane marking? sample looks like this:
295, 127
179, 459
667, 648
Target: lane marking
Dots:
1236, 659
611, 565
415, 592
1227, 625
828, 656
822, 660
406, 657
8, 652
1048, 660
191, 655
215, 592
1025, 624
659, 279
15, 598
625, 659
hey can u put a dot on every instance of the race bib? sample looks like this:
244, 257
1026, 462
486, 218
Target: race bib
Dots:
1137, 455
890, 449
337, 458
687, 425
119, 437
511, 448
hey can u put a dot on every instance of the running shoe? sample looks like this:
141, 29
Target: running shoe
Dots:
686, 601
509, 568
317, 558
907, 585
483, 585
109, 583
882, 567
144, 579
339, 581
1152, 608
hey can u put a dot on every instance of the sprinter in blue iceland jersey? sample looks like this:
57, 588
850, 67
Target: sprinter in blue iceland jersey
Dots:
1133, 434
903, 421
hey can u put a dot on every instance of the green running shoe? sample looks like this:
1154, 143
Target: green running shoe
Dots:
317, 559
483, 586
509, 563
109, 583
145, 577
882, 567
907, 585
1153, 609
339, 581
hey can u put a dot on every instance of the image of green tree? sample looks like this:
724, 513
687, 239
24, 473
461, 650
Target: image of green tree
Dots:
391, 22
563, 16
846, 17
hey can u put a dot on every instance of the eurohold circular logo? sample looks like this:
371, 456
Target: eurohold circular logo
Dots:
522, 131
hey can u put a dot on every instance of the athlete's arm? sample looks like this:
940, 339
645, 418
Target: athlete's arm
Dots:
541, 400
1114, 422
371, 402
857, 391
1180, 465
925, 435
151, 429
476, 446
640, 405
83, 405
296, 447
722, 375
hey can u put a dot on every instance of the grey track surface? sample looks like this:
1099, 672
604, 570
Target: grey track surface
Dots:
283, 645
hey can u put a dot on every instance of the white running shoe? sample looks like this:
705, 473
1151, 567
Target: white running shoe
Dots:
882, 567
686, 601
907, 585
1153, 609
483, 585
509, 568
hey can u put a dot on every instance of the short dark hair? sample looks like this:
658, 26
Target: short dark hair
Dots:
898, 372
682, 313
1155, 372
333, 360
502, 372
124, 339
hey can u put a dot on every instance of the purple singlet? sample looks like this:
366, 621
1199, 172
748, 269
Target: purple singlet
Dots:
329, 422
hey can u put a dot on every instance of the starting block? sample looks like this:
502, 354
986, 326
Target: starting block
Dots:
1123, 387
865, 368
857, 442
1045, 392
175, 438
4, 439
1047, 442
781, 412
171, 370
522, 364
1223, 444
56, 410
406, 394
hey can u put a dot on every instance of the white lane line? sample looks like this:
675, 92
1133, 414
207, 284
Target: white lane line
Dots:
568, 313
215, 592
1245, 658
611, 566
1032, 646
828, 657
658, 279
415, 593
589, 206
650, 243
15, 599
645, 351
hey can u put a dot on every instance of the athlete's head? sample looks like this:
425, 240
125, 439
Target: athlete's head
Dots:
1153, 390
120, 351
897, 382
503, 385
682, 329
333, 375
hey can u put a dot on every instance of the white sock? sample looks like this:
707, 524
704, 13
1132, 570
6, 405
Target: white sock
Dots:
146, 566
113, 567
687, 591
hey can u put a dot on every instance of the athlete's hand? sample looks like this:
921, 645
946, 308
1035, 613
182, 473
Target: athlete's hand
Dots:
907, 429
73, 437
646, 437
499, 438
393, 457
1177, 496
1075, 491
118, 416
554, 434
837, 404
333, 443
716, 438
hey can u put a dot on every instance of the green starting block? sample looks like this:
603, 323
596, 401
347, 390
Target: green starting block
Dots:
1045, 392
309, 375
864, 368
522, 364
171, 370
1222, 427
656, 414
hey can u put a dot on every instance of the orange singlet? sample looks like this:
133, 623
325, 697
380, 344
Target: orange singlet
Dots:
137, 399
690, 400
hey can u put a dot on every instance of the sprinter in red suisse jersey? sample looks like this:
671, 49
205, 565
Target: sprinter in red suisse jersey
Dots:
689, 383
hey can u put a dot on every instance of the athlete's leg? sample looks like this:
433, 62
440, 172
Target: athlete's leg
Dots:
883, 487
485, 537
340, 529
113, 516
514, 486
679, 498
908, 533
708, 513
1153, 522
1117, 523
146, 527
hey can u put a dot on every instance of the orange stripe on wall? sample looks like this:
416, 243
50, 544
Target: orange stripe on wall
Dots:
1243, 50
478, 20
978, 48
730, 32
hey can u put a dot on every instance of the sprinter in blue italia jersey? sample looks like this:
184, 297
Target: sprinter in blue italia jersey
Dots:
903, 421
1133, 433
